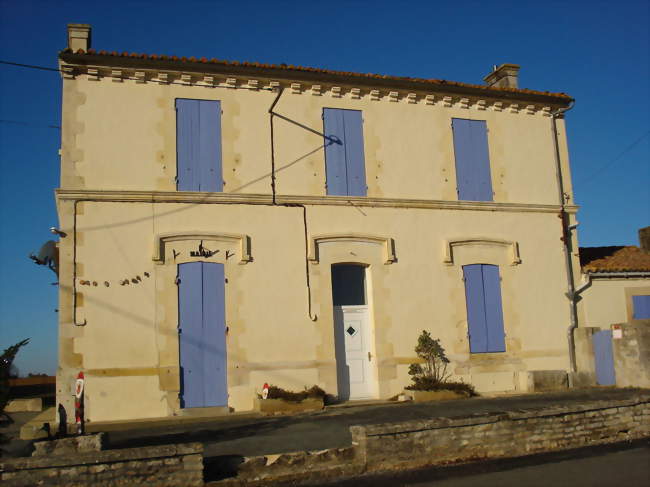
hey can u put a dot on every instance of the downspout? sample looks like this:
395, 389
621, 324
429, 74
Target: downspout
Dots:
571, 293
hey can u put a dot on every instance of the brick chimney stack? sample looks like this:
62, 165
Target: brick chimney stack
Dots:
644, 238
505, 76
79, 37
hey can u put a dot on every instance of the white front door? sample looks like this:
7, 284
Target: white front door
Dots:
354, 365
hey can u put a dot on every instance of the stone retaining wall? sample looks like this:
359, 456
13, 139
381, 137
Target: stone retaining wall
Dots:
444, 441
166, 465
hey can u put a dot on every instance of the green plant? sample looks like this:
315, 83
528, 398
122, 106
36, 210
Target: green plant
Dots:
431, 374
434, 367
276, 392
6, 359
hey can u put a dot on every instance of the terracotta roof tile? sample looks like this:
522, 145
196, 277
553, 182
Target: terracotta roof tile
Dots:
193, 60
614, 259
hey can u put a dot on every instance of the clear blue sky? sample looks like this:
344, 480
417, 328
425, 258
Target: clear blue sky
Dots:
596, 51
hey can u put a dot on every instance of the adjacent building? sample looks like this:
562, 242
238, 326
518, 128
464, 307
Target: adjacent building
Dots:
230, 224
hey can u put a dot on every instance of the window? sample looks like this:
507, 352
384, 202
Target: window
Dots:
473, 178
484, 310
198, 145
344, 157
641, 307
348, 285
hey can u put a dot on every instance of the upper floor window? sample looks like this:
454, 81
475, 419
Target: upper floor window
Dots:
641, 307
484, 308
344, 157
198, 145
473, 178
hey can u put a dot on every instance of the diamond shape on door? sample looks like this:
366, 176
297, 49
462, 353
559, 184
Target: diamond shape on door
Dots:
351, 331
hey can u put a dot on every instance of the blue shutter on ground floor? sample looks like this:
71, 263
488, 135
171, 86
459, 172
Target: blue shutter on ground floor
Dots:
198, 145
344, 153
190, 333
493, 308
484, 308
214, 334
641, 307
202, 337
475, 301
604, 358
471, 152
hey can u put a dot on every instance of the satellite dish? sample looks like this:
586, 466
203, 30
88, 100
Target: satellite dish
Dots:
48, 255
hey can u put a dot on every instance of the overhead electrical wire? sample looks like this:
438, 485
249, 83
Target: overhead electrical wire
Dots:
598, 171
180, 83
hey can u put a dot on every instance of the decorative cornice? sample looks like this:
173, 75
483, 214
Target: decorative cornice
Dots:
161, 240
450, 244
266, 199
387, 243
305, 75
355, 92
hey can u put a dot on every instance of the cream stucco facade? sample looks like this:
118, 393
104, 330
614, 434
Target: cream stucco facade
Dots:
129, 229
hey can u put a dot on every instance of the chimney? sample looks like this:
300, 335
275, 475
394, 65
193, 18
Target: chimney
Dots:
644, 238
505, 76
79, 37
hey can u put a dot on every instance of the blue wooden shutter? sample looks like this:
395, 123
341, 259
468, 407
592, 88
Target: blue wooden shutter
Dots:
214, 335
475, 301
202, 334
335, 166
354, 155
484, 308
198, 141
493, 308
641, 307
187, 143
344, 155
604, 358
190, 329
471, 152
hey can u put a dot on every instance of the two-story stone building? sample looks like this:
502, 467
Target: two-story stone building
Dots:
230, 224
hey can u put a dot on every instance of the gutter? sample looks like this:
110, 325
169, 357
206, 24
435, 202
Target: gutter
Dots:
620, 275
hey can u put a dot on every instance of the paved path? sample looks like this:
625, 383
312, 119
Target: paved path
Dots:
261, 435
617, 465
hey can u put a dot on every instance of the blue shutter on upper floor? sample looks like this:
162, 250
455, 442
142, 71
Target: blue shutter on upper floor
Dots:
214, 335
198, 145
187, 143
471, 152
344, 154
335, 166
190, 330
475, 301
641, 307
211, 178
354, 155
493, 308
484, 308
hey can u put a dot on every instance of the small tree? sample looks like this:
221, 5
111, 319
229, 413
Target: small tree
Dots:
433, 372
6, 359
